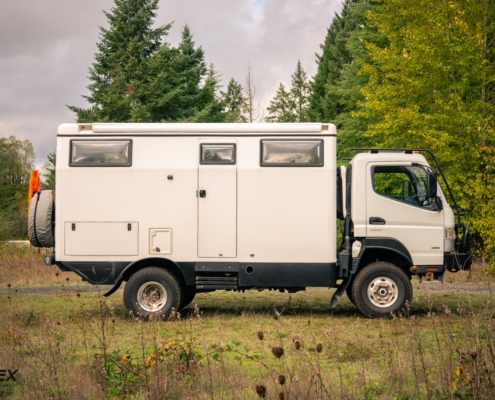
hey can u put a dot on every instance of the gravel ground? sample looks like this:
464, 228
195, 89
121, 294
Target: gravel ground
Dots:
425, 287
56, 289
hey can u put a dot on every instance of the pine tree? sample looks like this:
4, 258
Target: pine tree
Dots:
290, 106
299, 92
234, 102
189, 68
209, 100
120, 64
324, 106
336, 89
282, 108
49, 171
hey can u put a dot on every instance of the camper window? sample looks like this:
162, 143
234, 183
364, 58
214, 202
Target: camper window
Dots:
291, 153
101, 153
218, 153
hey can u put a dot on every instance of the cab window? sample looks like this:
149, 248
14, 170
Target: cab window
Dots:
407, 184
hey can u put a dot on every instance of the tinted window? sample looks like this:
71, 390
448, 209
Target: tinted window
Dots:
101, 153
292, 153
218, 154
402, 183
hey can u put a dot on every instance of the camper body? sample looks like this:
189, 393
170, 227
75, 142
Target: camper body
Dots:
177, 209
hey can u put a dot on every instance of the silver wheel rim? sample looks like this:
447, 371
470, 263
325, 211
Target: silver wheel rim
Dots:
382, 292
152, 296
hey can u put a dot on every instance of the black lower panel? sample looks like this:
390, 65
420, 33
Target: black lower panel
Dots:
96, 272
287, 274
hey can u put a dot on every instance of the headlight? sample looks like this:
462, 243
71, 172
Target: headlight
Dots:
450, 233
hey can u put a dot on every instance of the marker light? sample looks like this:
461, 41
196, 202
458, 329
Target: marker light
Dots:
356, 249
450, 233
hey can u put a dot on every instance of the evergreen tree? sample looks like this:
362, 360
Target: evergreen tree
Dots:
282, 108
179, 86
120, 65
137, 78
49, 171
324, 106
189, 67
210, 101
336, 89
299, 92
234, 102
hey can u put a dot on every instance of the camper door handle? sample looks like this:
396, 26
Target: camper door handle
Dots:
202, 193
377, 221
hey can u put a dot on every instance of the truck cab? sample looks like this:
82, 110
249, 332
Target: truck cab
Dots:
398, 220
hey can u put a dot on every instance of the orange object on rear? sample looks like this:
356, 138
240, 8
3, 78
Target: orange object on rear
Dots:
34, 185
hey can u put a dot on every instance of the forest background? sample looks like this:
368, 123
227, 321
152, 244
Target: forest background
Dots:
390, 73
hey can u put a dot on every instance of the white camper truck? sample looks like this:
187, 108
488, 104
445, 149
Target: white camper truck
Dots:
178, 209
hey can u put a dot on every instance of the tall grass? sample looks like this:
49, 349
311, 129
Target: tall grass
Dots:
22, 265
85, 346
236, 346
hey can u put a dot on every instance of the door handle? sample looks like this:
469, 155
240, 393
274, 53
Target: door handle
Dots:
377, 221
202, 193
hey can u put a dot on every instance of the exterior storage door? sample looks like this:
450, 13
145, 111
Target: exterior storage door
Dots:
217, 199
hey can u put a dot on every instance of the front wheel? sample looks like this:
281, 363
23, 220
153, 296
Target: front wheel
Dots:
381, 289
151, 293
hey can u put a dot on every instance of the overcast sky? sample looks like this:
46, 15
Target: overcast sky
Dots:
47, 46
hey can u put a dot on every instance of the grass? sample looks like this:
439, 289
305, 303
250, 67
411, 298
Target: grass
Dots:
22, 265
73, 345
225, 346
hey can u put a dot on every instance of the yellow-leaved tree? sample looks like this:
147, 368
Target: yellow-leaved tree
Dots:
432, 85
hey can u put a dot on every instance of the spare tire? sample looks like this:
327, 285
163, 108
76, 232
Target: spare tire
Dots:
41, 219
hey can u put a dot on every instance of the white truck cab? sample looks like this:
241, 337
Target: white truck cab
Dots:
178, 209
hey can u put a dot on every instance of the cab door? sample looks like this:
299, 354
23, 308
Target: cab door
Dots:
397, 207
217, 199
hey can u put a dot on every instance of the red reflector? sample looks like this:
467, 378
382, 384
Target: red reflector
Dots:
431, 269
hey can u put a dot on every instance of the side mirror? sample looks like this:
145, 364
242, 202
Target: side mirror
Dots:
432, 184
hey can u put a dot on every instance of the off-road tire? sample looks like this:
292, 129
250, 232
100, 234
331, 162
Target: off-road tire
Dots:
152, 293
188, 295
381, 289
348, 291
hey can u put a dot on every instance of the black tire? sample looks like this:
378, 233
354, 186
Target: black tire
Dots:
151, 293
381, 289
41, 219
348, 291
188, 295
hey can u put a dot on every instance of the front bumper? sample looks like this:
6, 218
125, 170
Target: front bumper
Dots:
456, 261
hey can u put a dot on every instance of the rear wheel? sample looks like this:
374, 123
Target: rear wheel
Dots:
151, 293
381, 289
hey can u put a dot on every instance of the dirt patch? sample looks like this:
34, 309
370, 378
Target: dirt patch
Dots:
56, 289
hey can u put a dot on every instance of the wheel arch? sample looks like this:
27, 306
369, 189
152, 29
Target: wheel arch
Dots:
385, 249
164, 263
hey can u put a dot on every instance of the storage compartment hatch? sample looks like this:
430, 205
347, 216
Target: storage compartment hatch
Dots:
101, 238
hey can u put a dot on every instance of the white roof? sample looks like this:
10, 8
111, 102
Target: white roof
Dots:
198, 128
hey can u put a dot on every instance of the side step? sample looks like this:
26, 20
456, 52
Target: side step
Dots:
216, 282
